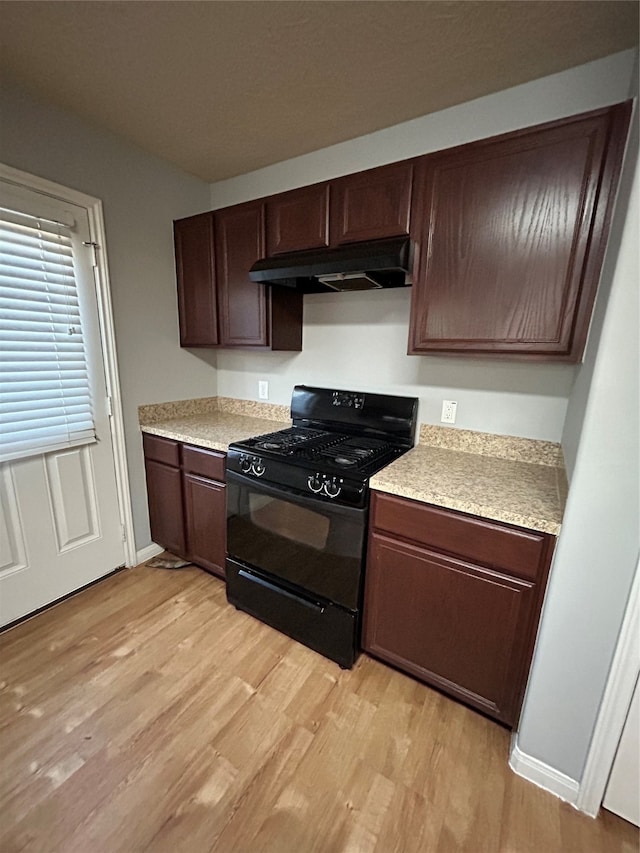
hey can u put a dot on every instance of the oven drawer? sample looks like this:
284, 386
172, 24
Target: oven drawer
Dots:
317, 623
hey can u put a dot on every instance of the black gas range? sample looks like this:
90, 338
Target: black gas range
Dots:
297, 509
333, 466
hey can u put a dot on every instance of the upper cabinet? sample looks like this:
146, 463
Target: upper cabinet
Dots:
511, 234
218, 304
195, 272
298, 220
243, 303
371, 205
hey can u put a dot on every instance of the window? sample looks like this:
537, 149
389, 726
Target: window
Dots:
45, 398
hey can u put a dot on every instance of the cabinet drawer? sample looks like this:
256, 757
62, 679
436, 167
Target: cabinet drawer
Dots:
161, 449
489, 543
206, 463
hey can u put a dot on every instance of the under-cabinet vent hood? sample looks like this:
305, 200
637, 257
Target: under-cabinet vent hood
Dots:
361, 266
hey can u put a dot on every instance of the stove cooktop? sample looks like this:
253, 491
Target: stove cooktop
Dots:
324, 450
338, 440
328, 465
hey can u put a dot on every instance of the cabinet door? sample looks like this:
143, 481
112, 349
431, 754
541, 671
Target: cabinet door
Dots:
164, 490
512, 232
455, 625
195, 273
243, 304
206, 522
371, 205
298, 220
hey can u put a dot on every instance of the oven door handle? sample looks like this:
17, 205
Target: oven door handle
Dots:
285, 493
313, 605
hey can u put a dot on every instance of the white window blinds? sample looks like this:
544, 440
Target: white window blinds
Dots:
45, 399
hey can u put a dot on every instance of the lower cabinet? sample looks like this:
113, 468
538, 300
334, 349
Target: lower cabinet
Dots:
164, 489
187, 501
458, 618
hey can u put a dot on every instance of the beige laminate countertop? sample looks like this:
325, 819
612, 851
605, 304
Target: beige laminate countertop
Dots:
500, 478
215, 430
523, 493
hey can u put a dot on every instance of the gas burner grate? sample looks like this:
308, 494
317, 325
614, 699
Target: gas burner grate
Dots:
286, 440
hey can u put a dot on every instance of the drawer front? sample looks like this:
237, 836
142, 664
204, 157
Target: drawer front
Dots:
489, 543
205, 463
161, 449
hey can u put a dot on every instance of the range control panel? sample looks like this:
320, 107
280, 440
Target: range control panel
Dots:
249, 464
325, 484
348, 399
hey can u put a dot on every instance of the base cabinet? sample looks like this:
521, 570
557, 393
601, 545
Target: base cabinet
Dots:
462, 624
187, 501
164, 489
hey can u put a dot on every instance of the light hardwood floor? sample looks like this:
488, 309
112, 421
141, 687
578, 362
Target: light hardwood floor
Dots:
146, 714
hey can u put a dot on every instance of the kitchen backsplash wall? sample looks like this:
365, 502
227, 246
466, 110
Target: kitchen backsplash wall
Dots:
360, 340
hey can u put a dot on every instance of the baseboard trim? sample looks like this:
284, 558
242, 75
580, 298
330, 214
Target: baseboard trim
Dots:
542, 775
147, 553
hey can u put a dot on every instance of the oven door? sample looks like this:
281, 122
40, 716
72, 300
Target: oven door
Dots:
305, 542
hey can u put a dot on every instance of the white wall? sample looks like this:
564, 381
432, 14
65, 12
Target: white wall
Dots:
360, 340
598, 548
141, 196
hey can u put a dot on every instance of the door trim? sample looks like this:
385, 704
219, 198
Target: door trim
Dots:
93, 206
614, 707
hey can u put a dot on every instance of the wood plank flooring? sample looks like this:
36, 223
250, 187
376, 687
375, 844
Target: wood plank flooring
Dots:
146, 714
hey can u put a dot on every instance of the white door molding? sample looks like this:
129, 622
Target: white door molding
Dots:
613, 708
103, 289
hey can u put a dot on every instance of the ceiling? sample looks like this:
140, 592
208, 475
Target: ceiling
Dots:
222, 88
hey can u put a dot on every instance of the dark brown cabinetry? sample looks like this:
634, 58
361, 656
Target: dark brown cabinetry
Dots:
454, 600
195, 273
187, 500
511, 234
371, 205
218, 304
164, 491
205, 507
244, 305
298, 220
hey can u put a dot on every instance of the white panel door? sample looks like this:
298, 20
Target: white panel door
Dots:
60, 520
623, 790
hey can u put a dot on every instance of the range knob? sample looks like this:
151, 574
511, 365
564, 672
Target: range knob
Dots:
332, 488
245, 463
257, 466
314, 481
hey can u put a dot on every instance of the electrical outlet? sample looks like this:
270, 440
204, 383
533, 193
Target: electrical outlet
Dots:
263, 389
448, 412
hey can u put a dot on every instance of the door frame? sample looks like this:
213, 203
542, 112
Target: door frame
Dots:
93, 206
613, 708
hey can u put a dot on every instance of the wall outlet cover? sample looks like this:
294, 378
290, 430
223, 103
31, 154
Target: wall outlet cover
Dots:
263, 389
448, 412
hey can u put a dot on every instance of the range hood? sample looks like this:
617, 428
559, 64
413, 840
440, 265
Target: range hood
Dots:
361, 266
